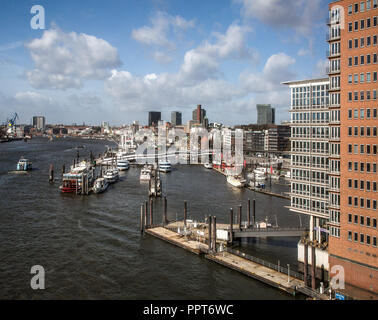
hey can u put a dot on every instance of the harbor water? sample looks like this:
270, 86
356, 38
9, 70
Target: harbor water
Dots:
91, 247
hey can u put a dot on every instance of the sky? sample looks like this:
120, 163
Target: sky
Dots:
115, 60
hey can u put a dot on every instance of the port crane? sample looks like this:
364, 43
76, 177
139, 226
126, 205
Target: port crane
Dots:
11, 123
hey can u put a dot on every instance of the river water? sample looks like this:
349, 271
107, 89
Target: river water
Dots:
91, 247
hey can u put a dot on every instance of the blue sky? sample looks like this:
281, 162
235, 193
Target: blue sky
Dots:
116, 60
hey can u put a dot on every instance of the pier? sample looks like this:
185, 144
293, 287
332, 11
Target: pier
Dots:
215, 242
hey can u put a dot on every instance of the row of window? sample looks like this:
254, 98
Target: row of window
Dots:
309, 205
362, 131
362, 95
362, 167
362, 238
362, 6
360, 78
362, 114
360, 43
362, 220
311, 176
362, 185
362, 203
362, 24
362, 60
362, 149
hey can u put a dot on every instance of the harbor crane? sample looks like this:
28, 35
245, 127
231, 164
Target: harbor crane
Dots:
11, 123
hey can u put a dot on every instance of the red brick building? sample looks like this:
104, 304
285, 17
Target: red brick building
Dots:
353, 71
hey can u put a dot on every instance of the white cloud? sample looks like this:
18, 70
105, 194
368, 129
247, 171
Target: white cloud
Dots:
303, 52
157, 34
297, 14
203, 62
63, 60
10, 46
161, 57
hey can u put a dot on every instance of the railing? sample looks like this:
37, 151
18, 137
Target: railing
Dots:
265, 263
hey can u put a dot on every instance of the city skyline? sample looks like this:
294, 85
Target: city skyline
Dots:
164, 56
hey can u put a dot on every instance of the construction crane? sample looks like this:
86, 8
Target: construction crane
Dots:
11, 123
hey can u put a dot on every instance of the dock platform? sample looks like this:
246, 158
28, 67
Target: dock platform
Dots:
264, 273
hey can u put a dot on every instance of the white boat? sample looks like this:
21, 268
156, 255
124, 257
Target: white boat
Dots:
208, 165
123, 165
236, 181
24, 165
112, 175
100, 185
145, 174
165, 166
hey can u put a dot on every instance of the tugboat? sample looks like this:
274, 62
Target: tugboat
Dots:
24, 165
100, 185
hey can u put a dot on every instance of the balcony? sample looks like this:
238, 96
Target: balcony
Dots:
329, 71
332, 20
330, 54
330, 37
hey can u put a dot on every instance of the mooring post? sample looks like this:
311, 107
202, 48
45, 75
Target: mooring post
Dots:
185, 212
240, 217
210, 239
254, 212
231, 226
249, 213
146, 215
142, 219
51, 173
63, 169
313, 268
151, 213
165, 220
215, 234
305, 264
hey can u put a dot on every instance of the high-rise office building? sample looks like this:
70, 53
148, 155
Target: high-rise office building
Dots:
310, 133
199, 114
154, 118
39, 123
176, 118
352, 72
265, 114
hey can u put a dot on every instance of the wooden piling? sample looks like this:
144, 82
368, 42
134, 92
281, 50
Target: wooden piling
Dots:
210, 232
165, 220
240, 217
142, 219
185, 213
305, 264
313, 268
249, 213
51, 173
215, 234
254, 212
146, 214
63, 169
231, 226
151, 213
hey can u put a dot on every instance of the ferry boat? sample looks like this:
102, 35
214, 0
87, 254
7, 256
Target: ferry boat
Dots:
165, 166
145, 174
100, 185
73, 181
123, 165
24, 165
112, 175
208, 165
236, 181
